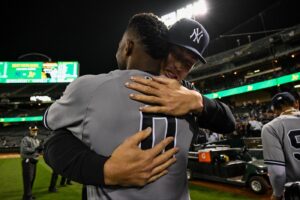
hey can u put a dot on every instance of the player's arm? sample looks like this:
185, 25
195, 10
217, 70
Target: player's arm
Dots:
216, 116
27, 146
274, 159
170, 97
277, 176
68, 156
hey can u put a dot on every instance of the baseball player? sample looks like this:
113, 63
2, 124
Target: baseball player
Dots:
281, 143
29, 149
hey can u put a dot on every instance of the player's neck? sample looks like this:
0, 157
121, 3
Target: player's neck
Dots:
147, 65
289, 111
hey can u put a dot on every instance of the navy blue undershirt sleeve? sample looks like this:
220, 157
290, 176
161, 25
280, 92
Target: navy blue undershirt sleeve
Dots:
216, 116
71, 158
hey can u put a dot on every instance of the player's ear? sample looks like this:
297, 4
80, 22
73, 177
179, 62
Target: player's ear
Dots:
129, 47
296, 104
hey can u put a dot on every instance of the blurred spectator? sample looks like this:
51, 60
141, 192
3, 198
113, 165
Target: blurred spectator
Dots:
212, 137
254, 127
3, 141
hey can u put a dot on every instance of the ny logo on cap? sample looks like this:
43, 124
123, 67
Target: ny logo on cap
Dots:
197, 35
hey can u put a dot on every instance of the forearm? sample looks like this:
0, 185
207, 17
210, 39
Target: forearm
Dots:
71, 158
196, 102
29, 150
277, 176
27, 147
213, 115
216, 116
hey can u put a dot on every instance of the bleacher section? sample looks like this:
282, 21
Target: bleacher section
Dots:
14, 91
22, 109
15, 104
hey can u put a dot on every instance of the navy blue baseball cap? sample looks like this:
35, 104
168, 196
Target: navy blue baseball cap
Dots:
283, 98
191, 35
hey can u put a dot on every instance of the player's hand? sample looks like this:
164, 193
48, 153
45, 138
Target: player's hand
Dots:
165, 95
131, 166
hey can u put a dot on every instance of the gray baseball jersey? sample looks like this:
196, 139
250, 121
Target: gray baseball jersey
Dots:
281, 144
97, 109
28, 147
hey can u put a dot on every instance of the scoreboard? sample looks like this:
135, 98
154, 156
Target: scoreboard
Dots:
38, 72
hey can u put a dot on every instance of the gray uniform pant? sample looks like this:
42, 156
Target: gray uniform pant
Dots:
29, 171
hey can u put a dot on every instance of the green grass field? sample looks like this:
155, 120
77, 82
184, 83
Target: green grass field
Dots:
11, 186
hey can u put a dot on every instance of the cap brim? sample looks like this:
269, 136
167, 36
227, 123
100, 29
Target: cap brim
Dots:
191, 49
196, 52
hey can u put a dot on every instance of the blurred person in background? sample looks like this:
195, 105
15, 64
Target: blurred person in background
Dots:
281, 143
52, 186
254, 127
212, 136
30, 149
63, 182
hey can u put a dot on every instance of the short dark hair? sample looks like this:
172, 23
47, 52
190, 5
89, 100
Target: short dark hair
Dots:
282, 99
152, 32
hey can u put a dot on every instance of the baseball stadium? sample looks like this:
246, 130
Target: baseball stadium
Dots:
143, 100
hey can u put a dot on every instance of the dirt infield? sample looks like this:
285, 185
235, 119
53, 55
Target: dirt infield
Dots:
9, 155
244, 191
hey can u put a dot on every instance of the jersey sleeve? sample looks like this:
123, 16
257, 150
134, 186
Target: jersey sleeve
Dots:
277, 175
69, 111
272, 146
216, 116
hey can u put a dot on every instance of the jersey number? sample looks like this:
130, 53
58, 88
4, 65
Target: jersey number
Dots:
294, 137
148, 120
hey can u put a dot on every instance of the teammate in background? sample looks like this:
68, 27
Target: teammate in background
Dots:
63, 182
29, 149
281, 144
213, 114
52, 186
